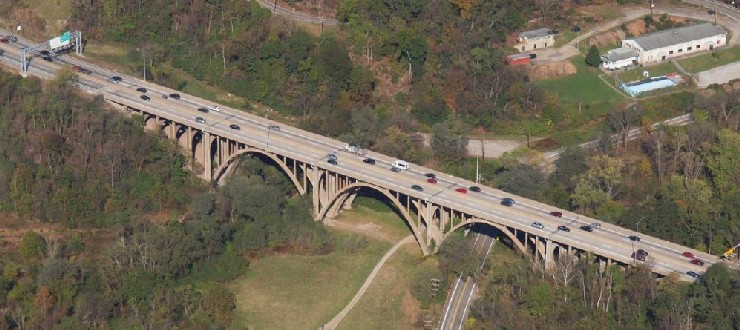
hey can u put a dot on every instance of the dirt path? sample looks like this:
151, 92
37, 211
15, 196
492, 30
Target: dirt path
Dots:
338, 319
569, 50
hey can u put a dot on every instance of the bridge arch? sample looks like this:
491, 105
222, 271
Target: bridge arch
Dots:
401, 209
223, 170
502, 228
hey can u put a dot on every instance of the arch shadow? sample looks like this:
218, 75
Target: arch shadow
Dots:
224, 169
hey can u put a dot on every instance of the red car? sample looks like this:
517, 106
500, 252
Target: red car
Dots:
462, 190
556, 214
697, 262
688, 254
4, 40
432, 180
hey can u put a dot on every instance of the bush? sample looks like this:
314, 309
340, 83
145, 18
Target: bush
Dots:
593, 58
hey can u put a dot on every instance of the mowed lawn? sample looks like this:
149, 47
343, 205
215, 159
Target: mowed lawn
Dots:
653, 71
388, 303
583, 86
707, 61
301, 292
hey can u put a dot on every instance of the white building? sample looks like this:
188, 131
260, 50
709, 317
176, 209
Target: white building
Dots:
619, 58
662, 45
530, 40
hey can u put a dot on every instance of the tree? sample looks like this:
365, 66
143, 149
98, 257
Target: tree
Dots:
450, 140
593, 58
598, 185
723, 161
32, 245
220, 303
621, 122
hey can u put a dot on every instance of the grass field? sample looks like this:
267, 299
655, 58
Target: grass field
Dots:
707, 61
301, 292
584, 86
388, 303
654, 71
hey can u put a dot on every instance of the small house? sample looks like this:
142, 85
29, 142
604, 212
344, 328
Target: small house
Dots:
540, 38
619, 58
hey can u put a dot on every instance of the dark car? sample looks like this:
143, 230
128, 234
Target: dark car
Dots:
234, 127
711, 12
203, 110
332, 161
564, 228
44, 52
575, 29
13, 38
116, 79
697, 262
145, 98
395, 169
556, 214
532, 56
369, 161
587, 228
507, 202
417, 187
175, 96
85, 71
274, 128
47, 58
639, 255
693, 274
634, 238
474, 188
141, 89
331, 156
432, 180
430, 175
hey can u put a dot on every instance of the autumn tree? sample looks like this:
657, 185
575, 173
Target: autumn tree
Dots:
32, 245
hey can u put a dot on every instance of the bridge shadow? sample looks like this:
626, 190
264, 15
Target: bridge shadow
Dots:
384, 204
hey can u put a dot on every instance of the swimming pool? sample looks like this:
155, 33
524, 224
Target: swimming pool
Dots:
637, 87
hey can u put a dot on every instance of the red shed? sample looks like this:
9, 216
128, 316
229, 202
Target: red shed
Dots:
517, 59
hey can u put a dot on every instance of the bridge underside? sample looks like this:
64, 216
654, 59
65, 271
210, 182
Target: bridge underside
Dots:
213, 157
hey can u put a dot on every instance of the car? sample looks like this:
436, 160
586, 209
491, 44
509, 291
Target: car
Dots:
369, 161
634, 238
697, 262
474, 188
554, 32
395, 169
430, 175
639, 255
532, 56
47, 58
164, 96
200, 120
537, 225
332, 161
693, 274
596, 225
417, 187
116, 79
85, 71
45, 52
145, 98
462, 190
556, 214
215, 108
587, 228
4, 40
575, 29
141, 89
688, 254
272, 127
12, 38
203, 110
331, 156
432, 180
175, 96
564, 228
711, 12
234, 127
76, 68
507, 201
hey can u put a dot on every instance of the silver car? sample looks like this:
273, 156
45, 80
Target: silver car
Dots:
200, 120
537, 225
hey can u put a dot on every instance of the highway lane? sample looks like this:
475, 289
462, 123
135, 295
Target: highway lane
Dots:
314, 148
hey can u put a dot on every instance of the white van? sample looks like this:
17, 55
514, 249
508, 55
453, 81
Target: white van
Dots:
401, 165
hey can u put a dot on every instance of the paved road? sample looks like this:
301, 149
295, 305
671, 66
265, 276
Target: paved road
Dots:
719, 75
295, 15
610, 241
727, 18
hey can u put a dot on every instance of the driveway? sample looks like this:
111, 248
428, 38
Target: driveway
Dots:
730, 21
718, 75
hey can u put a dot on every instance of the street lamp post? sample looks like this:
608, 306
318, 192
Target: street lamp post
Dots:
267, 143
637, 228
143, 55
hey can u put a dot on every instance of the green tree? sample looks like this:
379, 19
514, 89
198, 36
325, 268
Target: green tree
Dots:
599, 184
450, 140
32, 245
724, 161
593, 58
220, 303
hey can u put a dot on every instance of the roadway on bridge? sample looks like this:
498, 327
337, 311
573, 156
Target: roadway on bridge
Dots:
609, 241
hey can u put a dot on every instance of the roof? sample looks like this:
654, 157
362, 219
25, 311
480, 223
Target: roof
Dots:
517, 56
678, 35
539, 33
619, 54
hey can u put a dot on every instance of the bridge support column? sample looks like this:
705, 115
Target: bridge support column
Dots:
207, 157
348, 201
549, 255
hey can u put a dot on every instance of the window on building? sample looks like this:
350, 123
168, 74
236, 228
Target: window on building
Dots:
670, 52
718, 42
688, 49
680, 50
698, 46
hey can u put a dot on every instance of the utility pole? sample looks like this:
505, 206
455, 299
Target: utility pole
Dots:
652, 4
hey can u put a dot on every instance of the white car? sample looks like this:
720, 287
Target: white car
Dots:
215, 108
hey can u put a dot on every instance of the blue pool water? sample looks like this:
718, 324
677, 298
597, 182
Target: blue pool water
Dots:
635, 88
